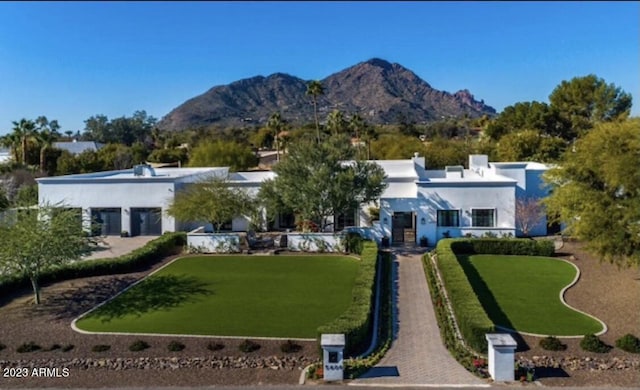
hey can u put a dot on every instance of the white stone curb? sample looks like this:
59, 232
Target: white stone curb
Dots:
575, 280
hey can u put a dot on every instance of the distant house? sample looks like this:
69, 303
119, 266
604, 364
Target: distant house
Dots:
417, 202
77, 147
5, 156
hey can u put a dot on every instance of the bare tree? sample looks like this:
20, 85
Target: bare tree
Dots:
528, 214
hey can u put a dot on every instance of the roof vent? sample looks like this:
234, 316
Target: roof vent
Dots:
454, 171
143, 170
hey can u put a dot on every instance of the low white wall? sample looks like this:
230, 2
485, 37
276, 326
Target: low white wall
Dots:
374, 232
475, 232
212, 242
315, 242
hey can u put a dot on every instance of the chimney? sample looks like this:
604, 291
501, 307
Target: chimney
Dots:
417, 160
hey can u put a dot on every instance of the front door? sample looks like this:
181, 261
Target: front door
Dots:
403, 227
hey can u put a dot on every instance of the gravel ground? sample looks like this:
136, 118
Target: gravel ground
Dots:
49, 323
603, 290
612, 295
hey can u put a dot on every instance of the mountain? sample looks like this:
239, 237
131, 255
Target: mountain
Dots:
381, 92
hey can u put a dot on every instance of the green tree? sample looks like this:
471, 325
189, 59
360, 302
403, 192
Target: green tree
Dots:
212, 200
336, 123
46, 132
23, 132
223, 154
393, 146
38, 240
530, 145
67, 164
169, 156
263, 138
596, 191
442, 152
125, 130
315, 183
529, 116
315, 89
585, 101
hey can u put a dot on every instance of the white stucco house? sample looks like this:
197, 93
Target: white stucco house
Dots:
417, 202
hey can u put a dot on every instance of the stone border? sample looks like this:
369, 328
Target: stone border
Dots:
575, 280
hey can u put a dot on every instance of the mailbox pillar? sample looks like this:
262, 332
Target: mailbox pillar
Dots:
332, 356
501, 356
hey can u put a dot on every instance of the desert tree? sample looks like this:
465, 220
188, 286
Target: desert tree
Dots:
596, 191
213, 200
318, 181
38, 239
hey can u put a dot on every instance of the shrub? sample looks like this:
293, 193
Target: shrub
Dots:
629, 343
100, 348
28, 347
153, 252
138, 345
353, 243
290, 347
551, 343
355, 322
592, 343
67, 348
175, 346
249, 346
215, 346
53, 347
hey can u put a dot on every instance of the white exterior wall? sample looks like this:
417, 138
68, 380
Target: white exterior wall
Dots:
460, 197
123, 195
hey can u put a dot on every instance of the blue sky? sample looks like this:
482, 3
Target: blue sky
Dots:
70, 61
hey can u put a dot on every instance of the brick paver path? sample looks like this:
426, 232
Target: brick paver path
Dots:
417, 356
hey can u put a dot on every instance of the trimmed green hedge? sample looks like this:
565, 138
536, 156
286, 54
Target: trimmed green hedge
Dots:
355, 322
473, 321
153, 252
501, 246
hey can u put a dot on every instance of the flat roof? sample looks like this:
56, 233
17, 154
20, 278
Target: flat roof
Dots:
161, 174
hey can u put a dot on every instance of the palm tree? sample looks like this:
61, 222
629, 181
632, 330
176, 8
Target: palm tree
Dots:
23, 130
46, 133
275, 124
336, 121
315, 89
355, 124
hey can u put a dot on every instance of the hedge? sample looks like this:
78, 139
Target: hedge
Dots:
472, 319
355, 322
153, 252
502, 246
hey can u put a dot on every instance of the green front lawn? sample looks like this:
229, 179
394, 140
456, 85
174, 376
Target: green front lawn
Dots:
259, 296
523, 293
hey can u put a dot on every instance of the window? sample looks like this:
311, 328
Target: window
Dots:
448, 217
483, 217
344, 220
286, 221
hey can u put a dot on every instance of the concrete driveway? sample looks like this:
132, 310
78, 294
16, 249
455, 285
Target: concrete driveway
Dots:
114, 246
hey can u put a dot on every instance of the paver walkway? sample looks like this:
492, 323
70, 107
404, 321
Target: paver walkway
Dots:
114, 246
417, 356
